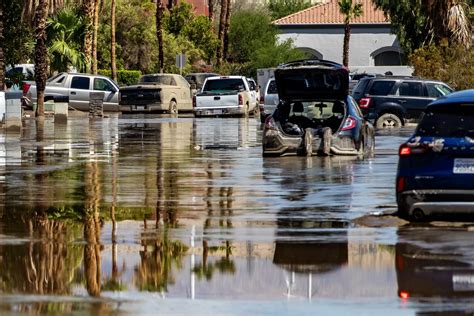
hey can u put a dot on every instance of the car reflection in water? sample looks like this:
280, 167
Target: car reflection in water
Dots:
435, 263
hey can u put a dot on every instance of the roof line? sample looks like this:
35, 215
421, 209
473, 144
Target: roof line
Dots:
324, 2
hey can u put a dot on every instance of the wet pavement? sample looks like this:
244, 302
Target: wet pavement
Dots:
153, 214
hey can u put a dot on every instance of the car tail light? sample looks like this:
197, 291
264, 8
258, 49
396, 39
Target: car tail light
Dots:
241, 100
26, 87
194, 101
400, 184
270, 123
364, 103
404, 294
349, 123
262, 99
406, 150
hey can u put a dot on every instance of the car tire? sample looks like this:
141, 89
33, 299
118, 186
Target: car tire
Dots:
173, 109
388, 120
308, 142
367, 145
325, 148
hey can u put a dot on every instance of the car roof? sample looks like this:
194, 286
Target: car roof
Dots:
405, 78
311, 62
463, 96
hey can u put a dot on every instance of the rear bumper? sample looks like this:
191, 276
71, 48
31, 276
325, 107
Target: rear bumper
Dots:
436, 202
213, 111
154, 107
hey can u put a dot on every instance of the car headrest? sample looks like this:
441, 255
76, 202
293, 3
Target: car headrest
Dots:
338, 107
298, 107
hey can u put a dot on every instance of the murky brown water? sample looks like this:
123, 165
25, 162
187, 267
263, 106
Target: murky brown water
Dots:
140, 214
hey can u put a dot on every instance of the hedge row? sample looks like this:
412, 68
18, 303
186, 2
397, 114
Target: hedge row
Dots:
124, 77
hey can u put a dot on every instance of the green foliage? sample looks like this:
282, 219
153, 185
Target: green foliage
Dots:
254, 44
18, 41
281, 8
451, 64
176, 19
349, 9
199, 31
124, 77
65, 35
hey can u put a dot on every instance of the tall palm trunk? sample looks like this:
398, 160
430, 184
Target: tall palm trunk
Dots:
211, 11
41, 54
345, 50
113, 44
226, 31
159, 34
2, 58
220, 48
96, 31
88, 12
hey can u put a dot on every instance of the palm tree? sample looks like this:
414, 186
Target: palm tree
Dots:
2, 58
36, 12
221, 35
94, 41
211, 11
64, 36
450, 20
113, 64
88, 12
226, 30
159, 34
350, 11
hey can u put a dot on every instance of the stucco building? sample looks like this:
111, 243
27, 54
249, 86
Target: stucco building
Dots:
319, 31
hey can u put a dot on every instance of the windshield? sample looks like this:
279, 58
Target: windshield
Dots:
158, 79
224, 85
453, 120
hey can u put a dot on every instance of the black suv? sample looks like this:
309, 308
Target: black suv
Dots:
393, 100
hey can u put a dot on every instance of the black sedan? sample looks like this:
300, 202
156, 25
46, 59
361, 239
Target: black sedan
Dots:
315, 114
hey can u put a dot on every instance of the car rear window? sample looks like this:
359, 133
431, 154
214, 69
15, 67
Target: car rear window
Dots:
381, 87
158, 79
224, 85
359, 88
272, 87
453, 120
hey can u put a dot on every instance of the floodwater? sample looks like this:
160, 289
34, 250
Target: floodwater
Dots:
136, 215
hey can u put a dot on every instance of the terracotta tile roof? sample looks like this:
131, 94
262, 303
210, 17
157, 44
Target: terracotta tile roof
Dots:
327, 12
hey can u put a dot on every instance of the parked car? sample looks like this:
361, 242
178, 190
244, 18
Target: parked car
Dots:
436, 165
255, 93
225, 95
198, 78
157, 93
76, 88
315, 114
393, 100
268, 100
356, 77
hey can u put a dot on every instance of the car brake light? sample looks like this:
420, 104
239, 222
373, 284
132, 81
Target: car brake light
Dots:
349, 123
364, 103
194, 101
262, 100
241, 100
270, 123
400, 184
406, 150
404, 295
26, 87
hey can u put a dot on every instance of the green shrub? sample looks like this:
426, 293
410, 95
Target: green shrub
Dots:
451, 64
124, 77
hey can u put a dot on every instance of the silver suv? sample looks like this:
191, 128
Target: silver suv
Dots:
269, 100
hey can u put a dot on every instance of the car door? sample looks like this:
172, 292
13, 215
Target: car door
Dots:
411, 96
79, 92
110, 93
185, 94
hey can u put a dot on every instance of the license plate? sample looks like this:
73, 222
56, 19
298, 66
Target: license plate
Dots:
215, 112
463, 282
140, 108
463, 166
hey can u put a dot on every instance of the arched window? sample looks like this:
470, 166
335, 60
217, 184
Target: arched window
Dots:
389, 56
311, 53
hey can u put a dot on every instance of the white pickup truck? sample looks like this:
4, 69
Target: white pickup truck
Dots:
225, 95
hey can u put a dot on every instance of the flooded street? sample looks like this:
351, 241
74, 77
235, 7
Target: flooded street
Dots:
135, 215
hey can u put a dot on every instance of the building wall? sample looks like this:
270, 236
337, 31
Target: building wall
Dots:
365, 42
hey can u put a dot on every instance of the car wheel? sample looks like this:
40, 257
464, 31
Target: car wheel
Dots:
308, 142
367, 145
173, 107
325, 147
388, 120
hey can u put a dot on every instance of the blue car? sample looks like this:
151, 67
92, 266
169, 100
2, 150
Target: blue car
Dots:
436, 165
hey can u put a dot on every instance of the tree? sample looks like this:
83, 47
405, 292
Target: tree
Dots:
281, 8
2, 56
113, 44
350, 11
211, 11
64, 40
38, 9
225, 50
221, 36
94, 37
159, 34
88, 12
